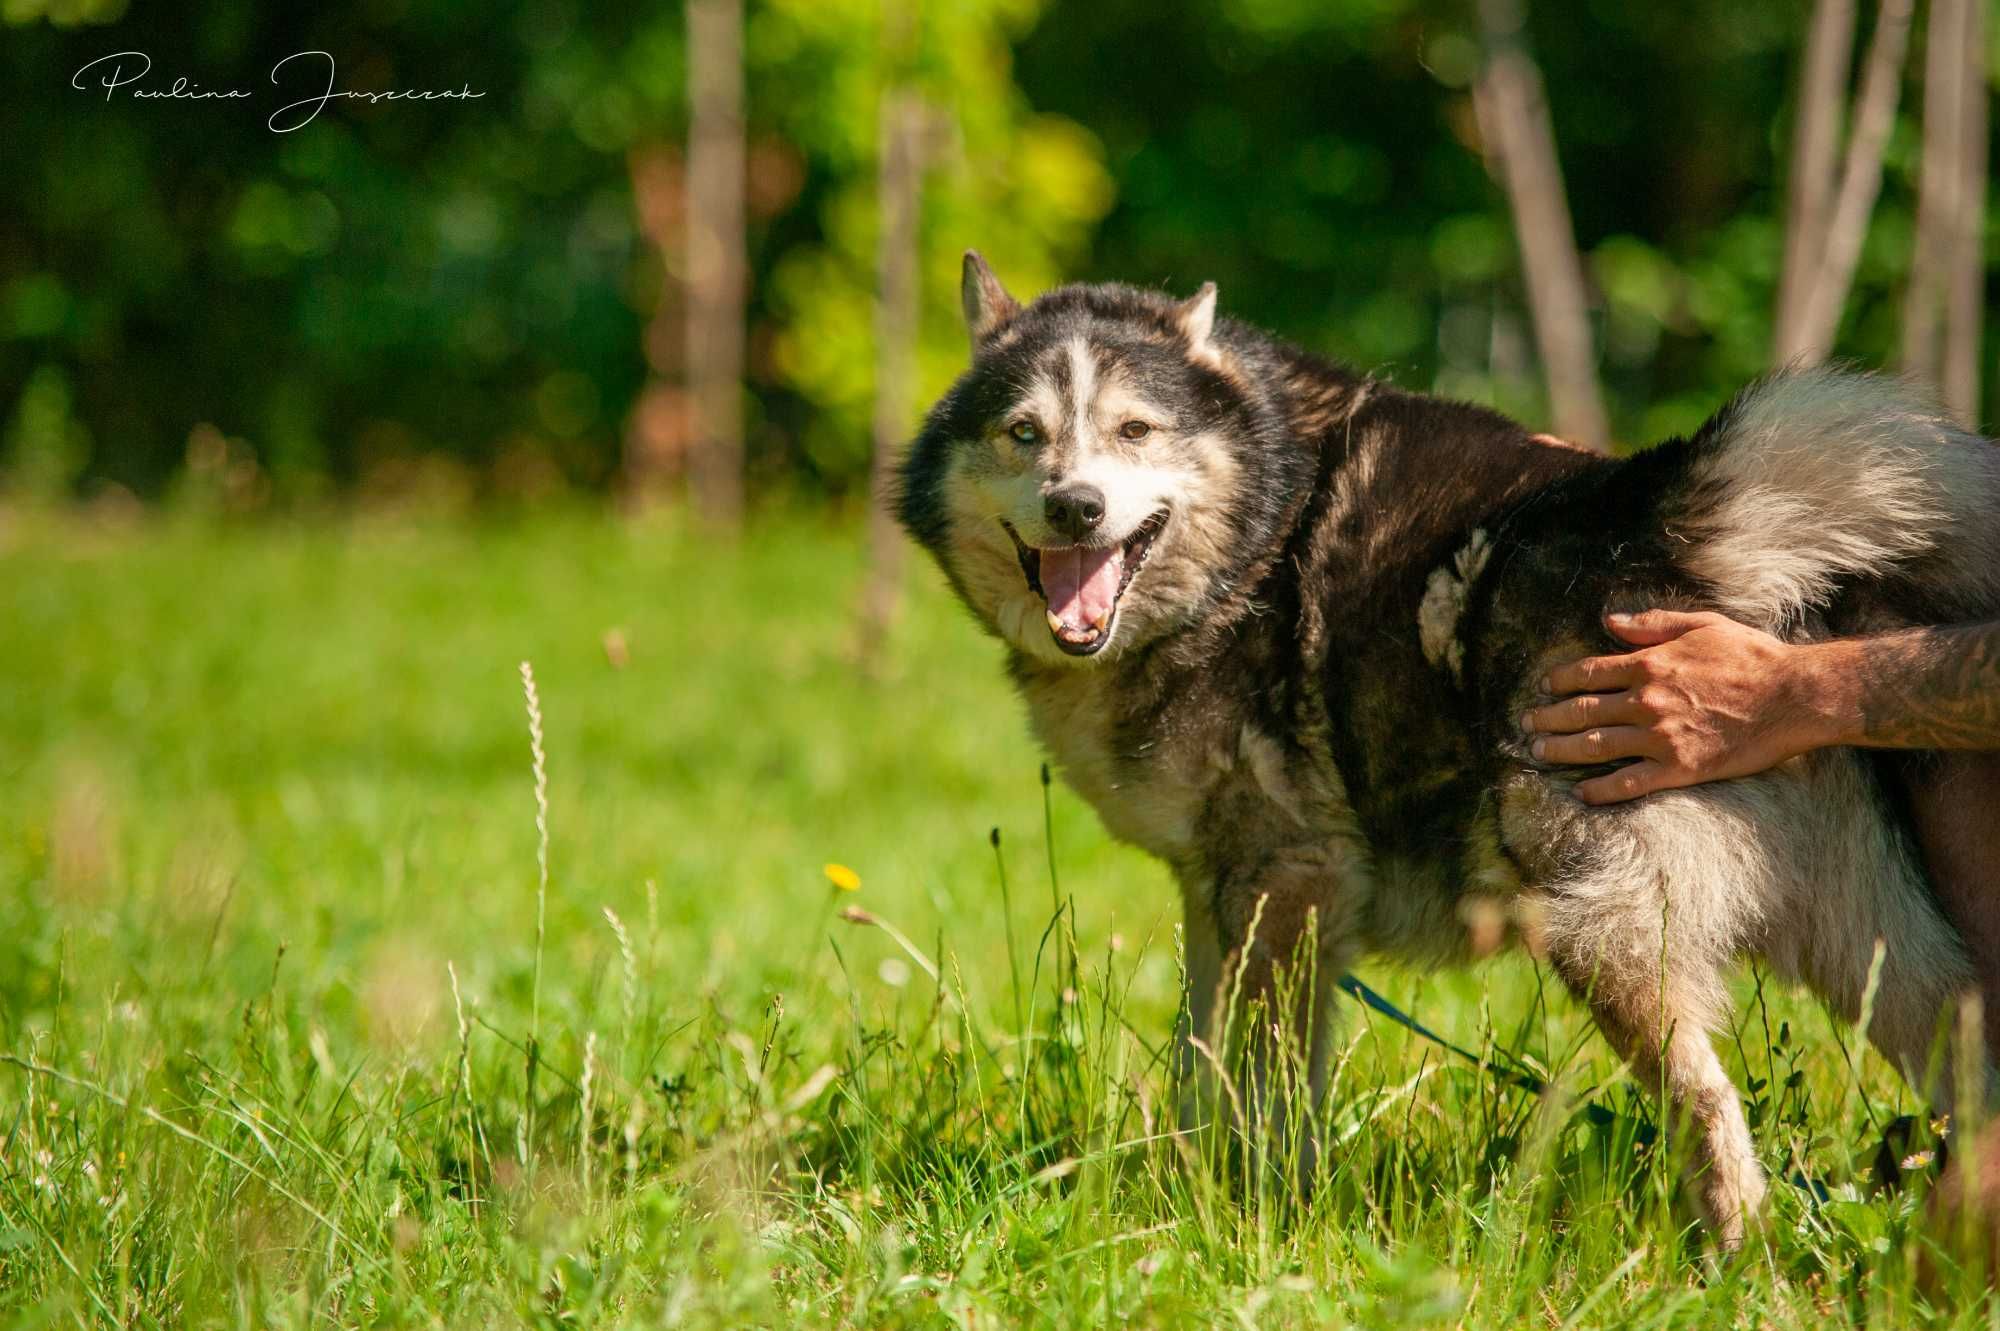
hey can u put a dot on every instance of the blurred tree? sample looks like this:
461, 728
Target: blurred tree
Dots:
1823, 236
716, 274
656, 430
906, 130
391, 284
1829, 48
1514, 124
1965, 297
1815, 148
1947, 269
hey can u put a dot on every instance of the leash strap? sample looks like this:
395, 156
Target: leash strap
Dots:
1642, 1133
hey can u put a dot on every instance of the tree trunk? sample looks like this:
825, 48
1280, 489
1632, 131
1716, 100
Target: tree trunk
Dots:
898, 193
1514, 120
1942, 306
1815, 149
1923, 299
656, 432
1826, 286
715, 257
1965, 288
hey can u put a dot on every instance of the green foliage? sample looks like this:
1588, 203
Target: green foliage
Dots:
1321, 163
1025, 188
267, 941
456, 296
467, 279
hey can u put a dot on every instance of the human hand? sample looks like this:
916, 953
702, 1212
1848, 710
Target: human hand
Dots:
1706, 699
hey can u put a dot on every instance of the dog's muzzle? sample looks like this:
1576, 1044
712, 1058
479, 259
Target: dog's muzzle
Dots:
1082, 585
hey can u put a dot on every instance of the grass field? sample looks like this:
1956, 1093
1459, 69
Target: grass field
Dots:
272, 966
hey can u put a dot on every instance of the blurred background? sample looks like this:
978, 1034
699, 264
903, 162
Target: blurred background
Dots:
719, 245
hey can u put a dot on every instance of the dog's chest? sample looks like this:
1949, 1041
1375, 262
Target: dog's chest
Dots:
1176, 775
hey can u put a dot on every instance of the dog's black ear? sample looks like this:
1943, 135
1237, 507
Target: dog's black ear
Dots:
1197, 317
987, 305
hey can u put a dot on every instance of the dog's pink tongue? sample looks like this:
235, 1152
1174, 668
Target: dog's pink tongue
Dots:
1082, 586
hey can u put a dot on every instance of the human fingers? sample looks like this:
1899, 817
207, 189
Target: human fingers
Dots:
1629, 783
1582, 712
1649, 628
1603, 744
1594, 674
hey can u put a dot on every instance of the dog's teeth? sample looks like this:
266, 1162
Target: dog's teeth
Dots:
1055, 624
1101, 621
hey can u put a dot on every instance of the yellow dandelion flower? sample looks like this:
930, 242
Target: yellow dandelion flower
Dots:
843, 878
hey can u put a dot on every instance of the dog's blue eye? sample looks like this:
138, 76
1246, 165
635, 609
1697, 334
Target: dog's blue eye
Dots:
1023, 431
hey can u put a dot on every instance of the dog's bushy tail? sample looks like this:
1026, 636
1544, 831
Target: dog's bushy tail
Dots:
1814, 484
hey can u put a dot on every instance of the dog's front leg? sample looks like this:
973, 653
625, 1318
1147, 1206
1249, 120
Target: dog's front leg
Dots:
1196, 1031
1263, 948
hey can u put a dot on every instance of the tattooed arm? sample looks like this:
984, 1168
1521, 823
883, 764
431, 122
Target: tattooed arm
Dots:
1708, 698
1931, 688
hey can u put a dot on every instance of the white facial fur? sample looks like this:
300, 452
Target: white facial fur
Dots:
1079, 426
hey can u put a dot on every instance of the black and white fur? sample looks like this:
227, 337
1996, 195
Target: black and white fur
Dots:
1305, 700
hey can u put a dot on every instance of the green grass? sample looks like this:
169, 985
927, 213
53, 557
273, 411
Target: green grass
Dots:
267, 790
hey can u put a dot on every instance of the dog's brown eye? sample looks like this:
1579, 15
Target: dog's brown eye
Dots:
1023, 431
1135, 429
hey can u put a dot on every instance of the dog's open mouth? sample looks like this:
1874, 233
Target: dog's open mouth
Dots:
1083, 585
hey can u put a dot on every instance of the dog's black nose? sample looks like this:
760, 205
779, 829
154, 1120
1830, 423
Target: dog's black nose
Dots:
1074, 510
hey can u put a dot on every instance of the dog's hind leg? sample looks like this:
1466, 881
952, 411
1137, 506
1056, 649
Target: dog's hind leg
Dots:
1645, 907
1620, 944
1805, 864
1662, 1021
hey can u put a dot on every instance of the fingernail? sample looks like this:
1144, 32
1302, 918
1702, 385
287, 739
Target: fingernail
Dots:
1619, 617
1537, 747
1543, 684
1528, 723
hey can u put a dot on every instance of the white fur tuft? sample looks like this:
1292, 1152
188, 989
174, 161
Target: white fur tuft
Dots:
1819, 476
1444, 604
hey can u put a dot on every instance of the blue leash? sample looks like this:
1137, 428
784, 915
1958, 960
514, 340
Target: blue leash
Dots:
1643, 1134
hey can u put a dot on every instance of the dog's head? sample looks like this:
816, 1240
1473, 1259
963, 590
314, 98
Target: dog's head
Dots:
1105, 469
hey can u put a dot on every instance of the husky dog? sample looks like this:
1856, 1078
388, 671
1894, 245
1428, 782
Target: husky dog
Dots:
1276, 620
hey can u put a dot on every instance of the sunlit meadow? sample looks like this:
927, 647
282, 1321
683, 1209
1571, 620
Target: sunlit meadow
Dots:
759, 989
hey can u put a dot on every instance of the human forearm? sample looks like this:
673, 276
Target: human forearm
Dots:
1930, 688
